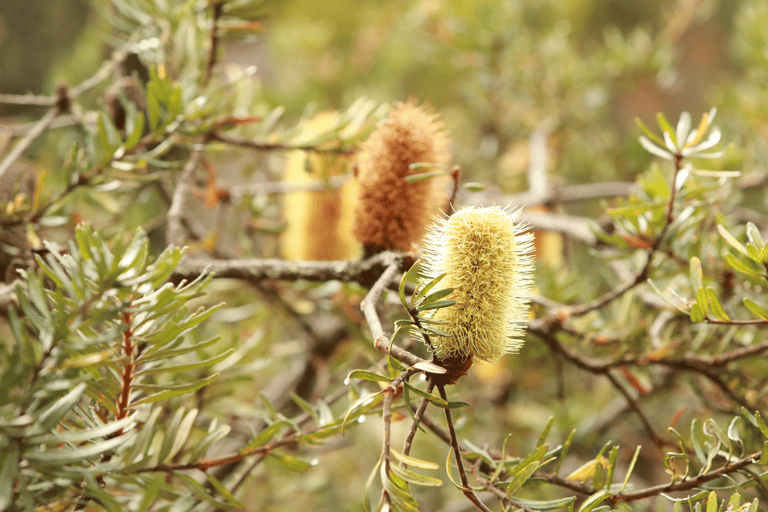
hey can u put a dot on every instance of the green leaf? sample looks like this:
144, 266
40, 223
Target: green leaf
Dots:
712, 502
79, 436
666, 127
755, 309
368, 400
398, 491
366, 375
223, 491
714, 304
764, 455
430, 367
697, 275
547, 505
761, 424
697, 313
754, 236
436, 305
545, 433
418, 463
181, 434
648, 133
50, 418
178, 391
630, 468
138, 127
594, 500
306, 406
415, 178
502, 459
369, 485
188, 366
742, 267
433, 297
474, 186
414, 478
200, 491
75, 455
521, 476
401, 288
435, 400
423, 290
9, 469
614, 453
291, 463
731, 240
564, 451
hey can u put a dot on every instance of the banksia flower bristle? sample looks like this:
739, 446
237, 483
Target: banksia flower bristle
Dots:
391, 213
486, 259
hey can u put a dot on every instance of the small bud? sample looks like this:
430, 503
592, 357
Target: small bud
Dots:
486, 259
392, 213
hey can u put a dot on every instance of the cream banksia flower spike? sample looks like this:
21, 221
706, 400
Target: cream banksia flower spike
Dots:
486, 259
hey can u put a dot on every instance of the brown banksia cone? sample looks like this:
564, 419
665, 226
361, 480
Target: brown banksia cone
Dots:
393, 214
319, 222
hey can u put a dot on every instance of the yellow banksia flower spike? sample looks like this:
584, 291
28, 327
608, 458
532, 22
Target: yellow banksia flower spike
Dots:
319, 222
486, 259
392, 213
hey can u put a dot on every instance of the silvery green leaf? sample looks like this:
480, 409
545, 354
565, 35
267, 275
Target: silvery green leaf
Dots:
683, 127
654, 149
711, 141
682, 176
671, 146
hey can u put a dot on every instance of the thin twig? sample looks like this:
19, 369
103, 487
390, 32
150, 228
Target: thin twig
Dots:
657, 440
467, 489
416, 420
277, 146
284, 187
217, 7
27, 140
176, 211
501, 495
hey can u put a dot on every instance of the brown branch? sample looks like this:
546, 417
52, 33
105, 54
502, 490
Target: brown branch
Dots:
657, 440
500, 495
217, 6
365, 272
60, 105
284, 187
687, 484
454, 442
175, 214
418, 414
276, 146
127, 374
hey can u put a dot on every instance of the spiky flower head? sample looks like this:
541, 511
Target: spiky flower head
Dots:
392, 213
486, 259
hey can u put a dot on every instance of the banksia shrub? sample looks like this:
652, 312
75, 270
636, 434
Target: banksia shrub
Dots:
486, 259
319, 222
392, 213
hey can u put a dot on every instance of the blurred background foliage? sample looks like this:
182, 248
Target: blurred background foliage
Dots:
579, 71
